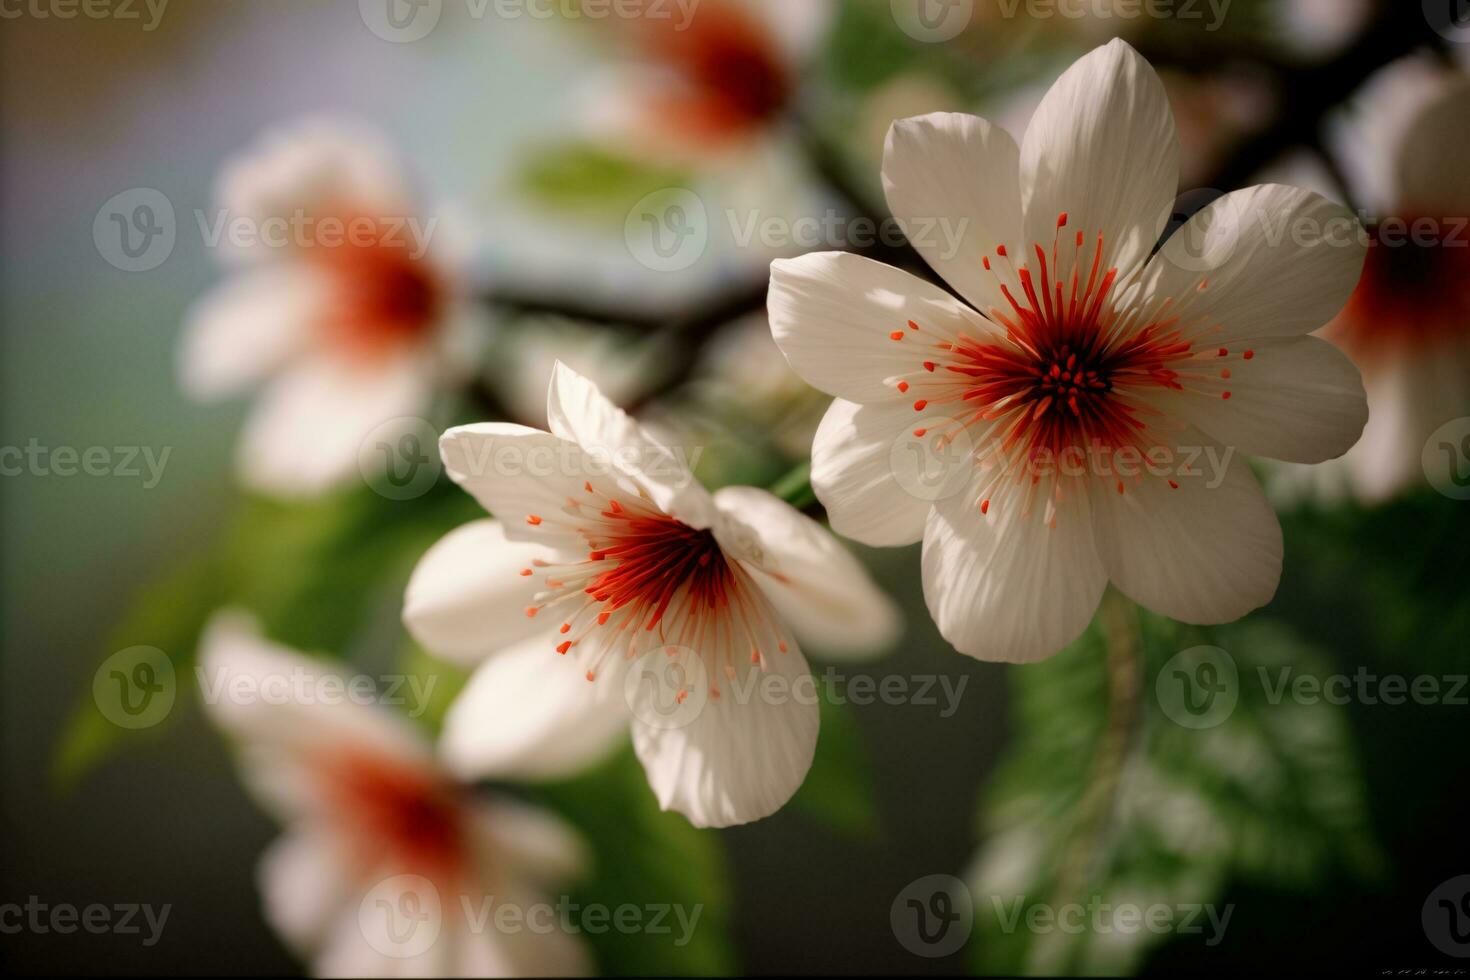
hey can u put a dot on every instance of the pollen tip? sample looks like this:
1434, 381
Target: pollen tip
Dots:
1224, 352
532, 520
781, 646
1225, 395
985, 261
903, 386
896, 335
929, 366
1249, 354
531, 611
985, 506
1062, 220
587, 485
913, 325
1000, 250
919, 433
591, 675
1173, 484
563, 646
921, 404
566, 627
525, 572
1120, 486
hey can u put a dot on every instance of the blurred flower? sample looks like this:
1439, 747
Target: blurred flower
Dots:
374, 826
618, 364
1072, 415
1319, 27
609, 553
341, 295
1403, 144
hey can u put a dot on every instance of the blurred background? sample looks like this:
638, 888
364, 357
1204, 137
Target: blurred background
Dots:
543, 136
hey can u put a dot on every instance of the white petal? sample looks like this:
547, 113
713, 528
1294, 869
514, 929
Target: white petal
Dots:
1433, 180
818, 587
280, 709
247, 327
1275, 261
304, 883
518, 473
530, 842
739, 757
467, 598
1208, 551
1102, 149
305, 434
531, 713
578, 411
953, 181
1299, 400
853, 474
833, 315
1003, 584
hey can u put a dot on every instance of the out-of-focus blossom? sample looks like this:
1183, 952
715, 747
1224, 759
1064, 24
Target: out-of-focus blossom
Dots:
1211, 112
1319, 27
386, 863
1403, 145
744, 369
619, 365
342, 300
609, 565
1078, 393
909, 94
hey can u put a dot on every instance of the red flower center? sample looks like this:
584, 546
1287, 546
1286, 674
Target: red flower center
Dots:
385, 297
1414, 291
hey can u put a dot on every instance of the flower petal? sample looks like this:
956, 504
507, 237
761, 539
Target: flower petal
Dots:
1299, 400
1102, 149
577, 411
531, 842
728, 760
953, 182
304, 882
467, 598
530, 713
305, 433
1275, 261
1430, 164
1206, 551
834, 315
818, 587
853, 475
247, 327
1004, 584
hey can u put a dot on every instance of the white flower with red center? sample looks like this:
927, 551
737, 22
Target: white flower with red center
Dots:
1091, 396
375, 825
1407, 325
343, 299
609, 565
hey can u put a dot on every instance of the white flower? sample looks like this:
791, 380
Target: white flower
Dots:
341, 298
1403, 144
1074, 355
376, 830
610, 565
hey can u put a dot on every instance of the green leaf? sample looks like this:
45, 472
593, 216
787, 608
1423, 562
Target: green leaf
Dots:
648, 857
796, 486
838, 792
592, 181
1105, 798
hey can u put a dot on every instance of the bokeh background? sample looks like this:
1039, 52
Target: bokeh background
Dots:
1338, 824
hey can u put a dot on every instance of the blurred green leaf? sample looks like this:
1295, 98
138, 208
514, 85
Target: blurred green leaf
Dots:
646, 856
838, 792
592, 181
1103, 796
443, 681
